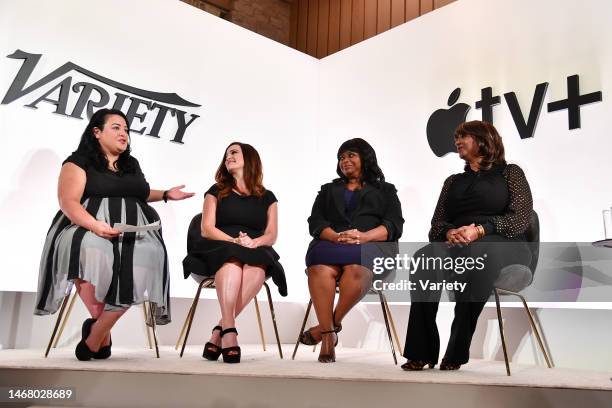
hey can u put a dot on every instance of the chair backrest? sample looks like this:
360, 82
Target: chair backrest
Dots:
194, 231
532, 236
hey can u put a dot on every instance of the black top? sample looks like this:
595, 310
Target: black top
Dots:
108, 183
236, 213
499, 199
376, 206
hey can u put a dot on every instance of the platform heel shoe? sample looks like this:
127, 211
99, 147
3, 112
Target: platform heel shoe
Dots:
82, 352
235, 350
212, 351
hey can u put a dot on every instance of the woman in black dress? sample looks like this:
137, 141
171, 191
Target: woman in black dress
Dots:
101, 184
355, 216
239, 227
482, 212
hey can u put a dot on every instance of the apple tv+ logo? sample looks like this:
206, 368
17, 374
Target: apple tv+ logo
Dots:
443, 122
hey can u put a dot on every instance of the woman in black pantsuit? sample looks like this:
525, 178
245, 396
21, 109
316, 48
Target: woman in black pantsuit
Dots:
482, 212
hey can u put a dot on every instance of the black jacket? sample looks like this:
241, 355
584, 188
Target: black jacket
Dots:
377, 206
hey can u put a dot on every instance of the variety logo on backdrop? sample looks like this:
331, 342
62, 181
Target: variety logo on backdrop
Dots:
443, 122
92, 96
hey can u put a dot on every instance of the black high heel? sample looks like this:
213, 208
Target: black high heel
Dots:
331, 357
416, 365
82, 352
104, 352
211, 350
235, 350
446, 365
308, 339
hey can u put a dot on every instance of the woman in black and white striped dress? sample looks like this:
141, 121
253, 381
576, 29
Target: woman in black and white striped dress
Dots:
100, 185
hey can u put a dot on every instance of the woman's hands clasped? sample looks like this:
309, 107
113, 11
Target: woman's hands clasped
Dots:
352, 236
462, 236
246, 241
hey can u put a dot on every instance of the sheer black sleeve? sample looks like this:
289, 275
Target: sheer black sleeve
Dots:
516, 218
440, 223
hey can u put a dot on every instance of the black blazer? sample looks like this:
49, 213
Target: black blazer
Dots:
377, 206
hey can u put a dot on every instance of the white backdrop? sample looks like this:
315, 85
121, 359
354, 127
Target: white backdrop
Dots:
296, 110
251, 89
385, 89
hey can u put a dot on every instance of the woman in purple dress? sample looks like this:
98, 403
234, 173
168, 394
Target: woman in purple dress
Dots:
351, 216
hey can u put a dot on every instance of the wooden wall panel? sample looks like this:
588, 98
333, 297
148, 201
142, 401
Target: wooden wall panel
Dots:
412, 9
441, 3
302, 34
333, 44
322, 27
358, 21
323, 31
313, 20
426, 6
397, 12
346, 13
293, 24
369, 29
384, 15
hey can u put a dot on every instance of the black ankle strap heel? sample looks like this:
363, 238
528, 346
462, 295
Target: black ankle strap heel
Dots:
211, 350
234, 357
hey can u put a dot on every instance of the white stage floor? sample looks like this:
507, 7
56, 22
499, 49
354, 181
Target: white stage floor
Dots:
354, 368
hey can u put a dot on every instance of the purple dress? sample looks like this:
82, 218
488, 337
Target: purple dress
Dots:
334, 253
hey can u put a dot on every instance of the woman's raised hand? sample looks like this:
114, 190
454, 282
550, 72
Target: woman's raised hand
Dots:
176, 194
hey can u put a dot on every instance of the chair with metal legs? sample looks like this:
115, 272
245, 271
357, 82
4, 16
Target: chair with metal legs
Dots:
389, 323
209, 283
62, 318
193, 233
513, 279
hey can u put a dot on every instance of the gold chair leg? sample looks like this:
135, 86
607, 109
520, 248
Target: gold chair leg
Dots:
65, 319
501, 330
297, 343
180, 337
57, 323
261, 332
271, 304
191, 315
382, 305
153, 326
146, 319
533, 326
399, 346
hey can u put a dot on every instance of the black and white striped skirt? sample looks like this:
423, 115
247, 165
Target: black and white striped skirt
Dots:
126, 270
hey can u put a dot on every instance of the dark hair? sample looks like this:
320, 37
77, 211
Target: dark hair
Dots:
370, 172
252, 173
490, 145
89, 145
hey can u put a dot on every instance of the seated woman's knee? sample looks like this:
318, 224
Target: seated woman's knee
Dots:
323, 271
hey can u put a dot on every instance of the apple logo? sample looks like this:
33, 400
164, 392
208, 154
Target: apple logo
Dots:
442, 124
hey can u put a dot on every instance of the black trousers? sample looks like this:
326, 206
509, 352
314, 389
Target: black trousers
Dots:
422, 337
